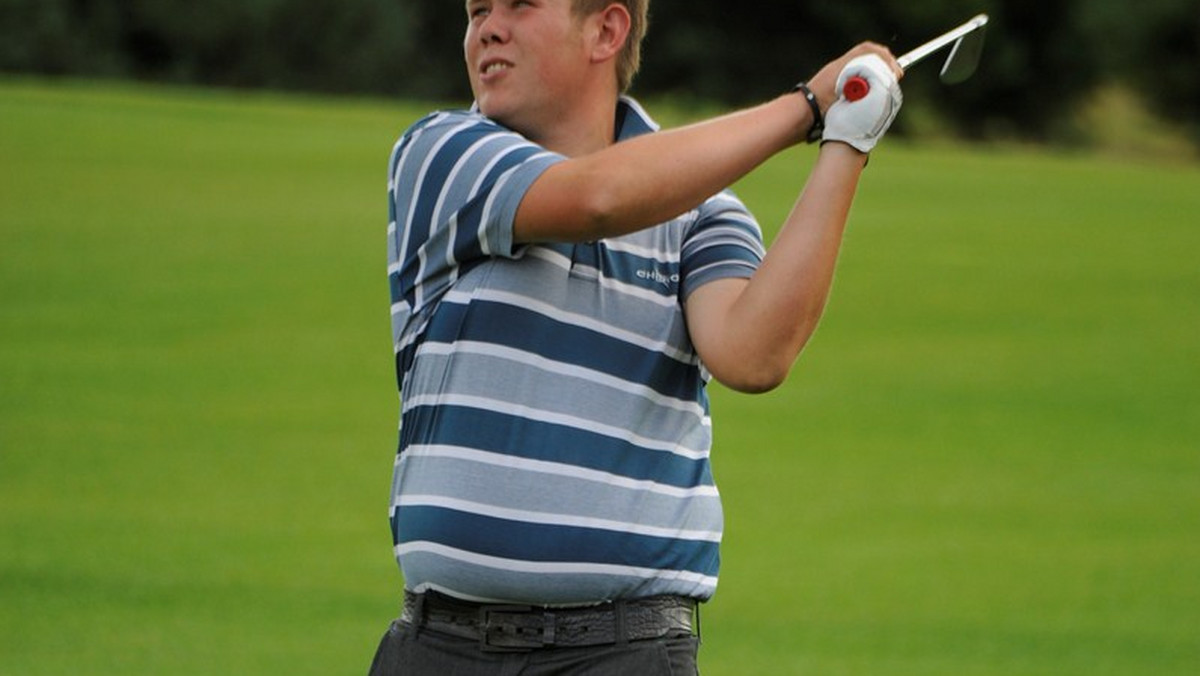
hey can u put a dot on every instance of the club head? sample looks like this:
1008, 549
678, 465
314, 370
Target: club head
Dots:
964, 57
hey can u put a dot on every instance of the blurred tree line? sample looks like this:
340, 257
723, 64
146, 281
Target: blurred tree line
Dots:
1043, 57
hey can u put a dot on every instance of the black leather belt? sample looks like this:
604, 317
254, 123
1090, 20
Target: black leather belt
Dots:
501, 628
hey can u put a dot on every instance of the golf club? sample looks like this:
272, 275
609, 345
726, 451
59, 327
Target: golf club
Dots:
964, 56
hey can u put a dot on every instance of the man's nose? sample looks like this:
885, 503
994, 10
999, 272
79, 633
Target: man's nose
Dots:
492, 29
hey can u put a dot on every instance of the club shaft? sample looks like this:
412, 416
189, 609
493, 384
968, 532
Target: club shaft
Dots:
908, 59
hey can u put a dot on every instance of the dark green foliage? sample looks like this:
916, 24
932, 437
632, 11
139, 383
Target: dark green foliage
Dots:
1042, 56
1156, 48
1036, 65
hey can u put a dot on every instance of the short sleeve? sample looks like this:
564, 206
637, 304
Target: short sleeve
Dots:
724, 241
455, 181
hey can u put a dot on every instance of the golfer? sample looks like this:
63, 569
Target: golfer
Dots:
565, 280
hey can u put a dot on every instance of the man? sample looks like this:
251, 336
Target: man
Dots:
563, 283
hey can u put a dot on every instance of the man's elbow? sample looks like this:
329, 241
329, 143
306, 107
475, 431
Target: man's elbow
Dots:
567, 206
607, 208
754, 376
597, 215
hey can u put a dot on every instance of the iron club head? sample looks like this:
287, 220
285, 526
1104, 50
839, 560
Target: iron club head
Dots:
964, 57
967, 41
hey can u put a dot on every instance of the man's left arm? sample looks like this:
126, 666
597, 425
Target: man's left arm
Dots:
748, 332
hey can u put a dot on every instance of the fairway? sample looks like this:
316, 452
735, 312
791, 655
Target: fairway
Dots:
986, 462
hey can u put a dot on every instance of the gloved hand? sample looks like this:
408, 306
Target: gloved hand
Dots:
863, 122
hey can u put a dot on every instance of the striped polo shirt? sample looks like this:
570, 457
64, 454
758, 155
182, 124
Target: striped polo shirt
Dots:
554, 425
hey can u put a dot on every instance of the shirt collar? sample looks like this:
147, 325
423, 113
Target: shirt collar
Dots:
632, 119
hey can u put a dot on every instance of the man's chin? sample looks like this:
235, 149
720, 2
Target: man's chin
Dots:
501, 115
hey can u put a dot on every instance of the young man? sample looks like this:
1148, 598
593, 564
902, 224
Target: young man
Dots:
565, 279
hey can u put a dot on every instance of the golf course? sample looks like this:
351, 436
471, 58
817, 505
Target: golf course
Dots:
985, 463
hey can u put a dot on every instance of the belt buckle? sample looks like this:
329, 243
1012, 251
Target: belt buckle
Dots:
523, 632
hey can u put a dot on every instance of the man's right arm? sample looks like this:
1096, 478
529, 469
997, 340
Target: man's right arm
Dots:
655, 177
638, 183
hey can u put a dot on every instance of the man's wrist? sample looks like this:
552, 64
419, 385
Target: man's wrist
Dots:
837, 147
818, 120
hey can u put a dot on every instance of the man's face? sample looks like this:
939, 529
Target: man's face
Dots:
523, 59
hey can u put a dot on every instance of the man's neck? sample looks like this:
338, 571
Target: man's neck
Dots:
590, 129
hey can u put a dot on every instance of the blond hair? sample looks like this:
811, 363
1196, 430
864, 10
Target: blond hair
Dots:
630, 58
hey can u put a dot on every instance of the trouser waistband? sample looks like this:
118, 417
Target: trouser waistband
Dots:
500, 627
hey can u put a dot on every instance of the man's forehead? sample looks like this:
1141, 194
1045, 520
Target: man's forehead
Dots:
474, 3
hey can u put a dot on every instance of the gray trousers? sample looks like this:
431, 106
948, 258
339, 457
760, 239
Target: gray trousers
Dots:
408, 651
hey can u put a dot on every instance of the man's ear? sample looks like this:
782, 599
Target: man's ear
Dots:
612, 26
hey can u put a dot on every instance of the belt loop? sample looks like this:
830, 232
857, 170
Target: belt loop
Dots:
548, 627
418, 613
619, 619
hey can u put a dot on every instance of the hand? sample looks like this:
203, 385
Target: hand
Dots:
825, 82
863, 122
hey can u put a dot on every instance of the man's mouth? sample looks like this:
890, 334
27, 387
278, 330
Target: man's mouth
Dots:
492, 67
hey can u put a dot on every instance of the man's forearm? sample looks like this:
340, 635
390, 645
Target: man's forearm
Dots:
653, 178
792, 286
749, 332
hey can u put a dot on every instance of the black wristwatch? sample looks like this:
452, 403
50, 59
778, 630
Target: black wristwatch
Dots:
818, 125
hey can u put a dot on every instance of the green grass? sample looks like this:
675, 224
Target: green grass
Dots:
985, 463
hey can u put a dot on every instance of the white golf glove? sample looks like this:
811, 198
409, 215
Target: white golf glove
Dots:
863, 122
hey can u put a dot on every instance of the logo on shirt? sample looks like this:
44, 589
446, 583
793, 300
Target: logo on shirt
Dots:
659, 277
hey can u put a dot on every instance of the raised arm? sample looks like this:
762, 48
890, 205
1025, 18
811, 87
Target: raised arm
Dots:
749, 332
653, 178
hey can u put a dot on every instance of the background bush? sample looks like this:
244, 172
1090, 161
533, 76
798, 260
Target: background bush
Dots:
1043, 57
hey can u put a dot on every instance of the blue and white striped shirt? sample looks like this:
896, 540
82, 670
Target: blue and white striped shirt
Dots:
555, 431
